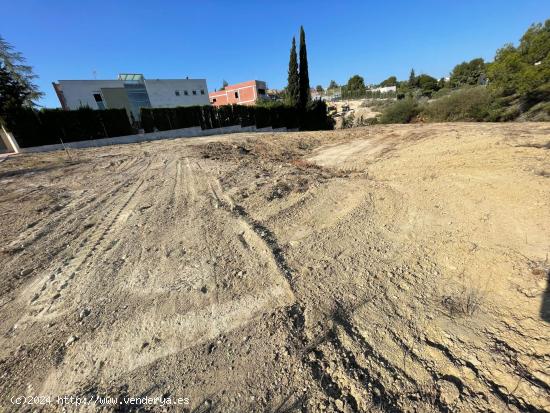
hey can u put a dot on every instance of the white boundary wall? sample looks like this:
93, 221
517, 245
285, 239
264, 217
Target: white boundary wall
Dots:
153, 136
9, 141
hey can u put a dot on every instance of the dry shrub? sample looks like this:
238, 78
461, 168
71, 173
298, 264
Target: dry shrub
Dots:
466, 300
402, 111
468, 104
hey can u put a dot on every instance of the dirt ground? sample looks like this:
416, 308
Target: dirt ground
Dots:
360, 112
387, 268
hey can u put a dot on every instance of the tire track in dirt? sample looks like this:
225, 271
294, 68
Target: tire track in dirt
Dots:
21, 197
90, 241
175, 195
285, 295
296, 310
332, 386
77, 220
189, 180
350, 374
50, 293
78, 204
180, 326
269, 240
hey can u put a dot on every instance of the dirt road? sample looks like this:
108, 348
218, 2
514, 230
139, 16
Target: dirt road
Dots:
389, 268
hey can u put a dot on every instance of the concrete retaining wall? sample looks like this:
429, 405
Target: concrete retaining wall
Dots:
153, 136
8, 141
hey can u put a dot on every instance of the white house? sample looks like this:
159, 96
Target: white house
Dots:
384, 89
131, 92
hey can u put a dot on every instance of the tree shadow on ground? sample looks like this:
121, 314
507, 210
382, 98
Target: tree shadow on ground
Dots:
36, 170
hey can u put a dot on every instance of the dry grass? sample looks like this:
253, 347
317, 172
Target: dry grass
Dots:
466, 300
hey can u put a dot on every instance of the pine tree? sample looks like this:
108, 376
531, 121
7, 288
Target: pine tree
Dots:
293, 87
13, 93
305, 93
14, 63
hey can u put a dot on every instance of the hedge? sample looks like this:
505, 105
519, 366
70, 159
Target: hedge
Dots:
313, 117
48, 126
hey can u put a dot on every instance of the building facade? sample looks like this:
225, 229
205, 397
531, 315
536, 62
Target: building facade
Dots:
131, 92
384, 89
244, 93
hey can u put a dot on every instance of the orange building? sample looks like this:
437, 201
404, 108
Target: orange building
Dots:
245, 93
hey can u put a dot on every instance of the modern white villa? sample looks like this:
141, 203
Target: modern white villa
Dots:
131, 92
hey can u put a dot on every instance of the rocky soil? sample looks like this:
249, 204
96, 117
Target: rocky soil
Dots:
388, 268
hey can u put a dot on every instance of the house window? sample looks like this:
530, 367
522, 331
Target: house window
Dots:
99, 101
236, 95
194, 92
202, 91
177, 92
261, 91
185, 92
214, 100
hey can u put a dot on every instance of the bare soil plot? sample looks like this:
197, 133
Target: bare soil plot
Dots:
389, 268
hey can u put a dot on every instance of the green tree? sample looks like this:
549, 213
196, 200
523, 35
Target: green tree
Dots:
402, 111
14, 63
355, 87
403, 89
390, 81
524, 70
14, 94
534, 46
427, 84
333, 85
412, 79
510, 73
468, 73
319, 88
305, 94
292, 95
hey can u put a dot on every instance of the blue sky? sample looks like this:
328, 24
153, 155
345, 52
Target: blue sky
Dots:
241, 40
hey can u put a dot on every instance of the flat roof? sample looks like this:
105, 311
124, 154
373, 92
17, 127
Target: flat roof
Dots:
118, 80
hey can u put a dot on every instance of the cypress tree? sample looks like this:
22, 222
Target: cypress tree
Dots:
305, 94
293, 87
412, 79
